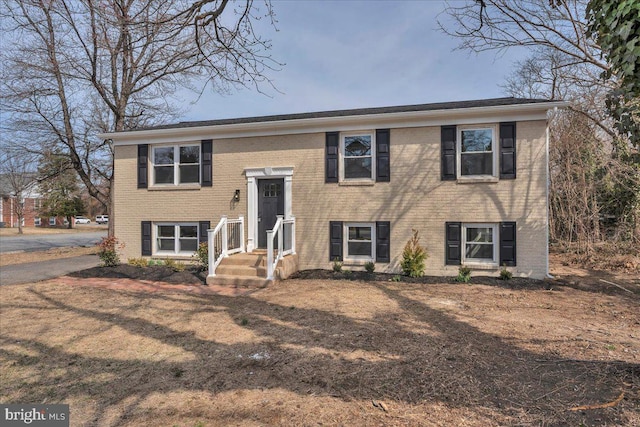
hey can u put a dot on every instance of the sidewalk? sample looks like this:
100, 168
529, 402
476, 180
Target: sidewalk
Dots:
37, 271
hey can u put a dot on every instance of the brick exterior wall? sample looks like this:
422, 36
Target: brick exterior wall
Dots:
416, 198
9, 216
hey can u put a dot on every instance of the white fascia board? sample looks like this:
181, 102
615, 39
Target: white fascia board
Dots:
460, 116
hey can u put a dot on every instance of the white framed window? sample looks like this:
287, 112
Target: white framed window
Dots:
176, 164
479, 243
360, 239
358, 156
176, 239
37, 221
477, 151
52, 220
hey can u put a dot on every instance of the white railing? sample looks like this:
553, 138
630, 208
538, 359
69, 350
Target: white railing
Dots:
225, 239
285, 231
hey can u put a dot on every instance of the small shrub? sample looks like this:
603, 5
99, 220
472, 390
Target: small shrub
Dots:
244, 321
174, 265
337, 265
413, 257
153, 262
370, 267
396, 278
505, 274
202, 256
108, 251
464, 274
137, 262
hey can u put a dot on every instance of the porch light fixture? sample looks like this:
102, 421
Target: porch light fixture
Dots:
236, 196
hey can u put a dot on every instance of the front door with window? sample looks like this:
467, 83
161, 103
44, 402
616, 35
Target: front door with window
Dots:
270, 204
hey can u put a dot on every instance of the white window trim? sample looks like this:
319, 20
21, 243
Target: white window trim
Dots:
176, 237
496, 244
52, 220
494, 149
176, 165
343, 135
37, 221
345, 238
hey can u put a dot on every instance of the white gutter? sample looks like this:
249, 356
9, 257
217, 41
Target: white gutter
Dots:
547, 191
536, 111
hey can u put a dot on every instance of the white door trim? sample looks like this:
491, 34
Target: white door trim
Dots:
253, 175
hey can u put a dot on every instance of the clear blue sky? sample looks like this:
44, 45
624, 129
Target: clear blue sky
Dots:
356, 54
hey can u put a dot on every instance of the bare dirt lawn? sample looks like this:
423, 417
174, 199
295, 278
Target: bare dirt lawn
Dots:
315, 352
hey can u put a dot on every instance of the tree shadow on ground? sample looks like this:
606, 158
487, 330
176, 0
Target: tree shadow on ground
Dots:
310, 351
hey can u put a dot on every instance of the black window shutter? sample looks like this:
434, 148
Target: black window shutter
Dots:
335, 241
203, 226
453, 243
383, 171
207, 167
508, 244
332, 144
448, 153
146, 238
508, 150
143, 156
383, 238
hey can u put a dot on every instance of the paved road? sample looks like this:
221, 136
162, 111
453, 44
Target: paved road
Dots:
37, 271
41, 242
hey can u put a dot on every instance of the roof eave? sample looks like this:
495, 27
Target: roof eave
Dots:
531, 111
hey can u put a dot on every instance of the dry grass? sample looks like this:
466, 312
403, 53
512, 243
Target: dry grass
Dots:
308, 353
49, 254
80, 228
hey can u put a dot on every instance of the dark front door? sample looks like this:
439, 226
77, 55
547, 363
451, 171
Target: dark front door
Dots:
270, 204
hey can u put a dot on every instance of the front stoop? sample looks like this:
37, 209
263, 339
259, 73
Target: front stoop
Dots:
249, 270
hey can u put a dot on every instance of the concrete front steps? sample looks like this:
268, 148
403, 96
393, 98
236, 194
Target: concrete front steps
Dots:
249, 270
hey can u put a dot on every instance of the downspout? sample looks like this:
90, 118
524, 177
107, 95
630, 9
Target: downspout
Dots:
555, 109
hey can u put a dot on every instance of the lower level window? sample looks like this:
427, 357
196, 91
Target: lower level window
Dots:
37, 222
52, 220
360, 238
176, 238
479, 243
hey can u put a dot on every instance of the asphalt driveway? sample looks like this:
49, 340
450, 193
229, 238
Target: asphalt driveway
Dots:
42, 242
37, 271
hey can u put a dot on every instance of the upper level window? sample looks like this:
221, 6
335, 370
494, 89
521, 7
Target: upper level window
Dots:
357, 156
477, 152
178, 164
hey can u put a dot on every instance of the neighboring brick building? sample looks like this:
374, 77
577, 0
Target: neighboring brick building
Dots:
9, 204
470, 176
32, 202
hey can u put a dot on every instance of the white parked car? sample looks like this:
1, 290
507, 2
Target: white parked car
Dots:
82, 220
102, 219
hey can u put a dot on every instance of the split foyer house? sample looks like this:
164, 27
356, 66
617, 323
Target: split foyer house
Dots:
347, 185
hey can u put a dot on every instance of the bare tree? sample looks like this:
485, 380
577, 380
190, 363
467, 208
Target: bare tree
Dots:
77, 68
592, 174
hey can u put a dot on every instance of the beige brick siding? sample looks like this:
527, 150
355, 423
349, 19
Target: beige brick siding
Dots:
415, 197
